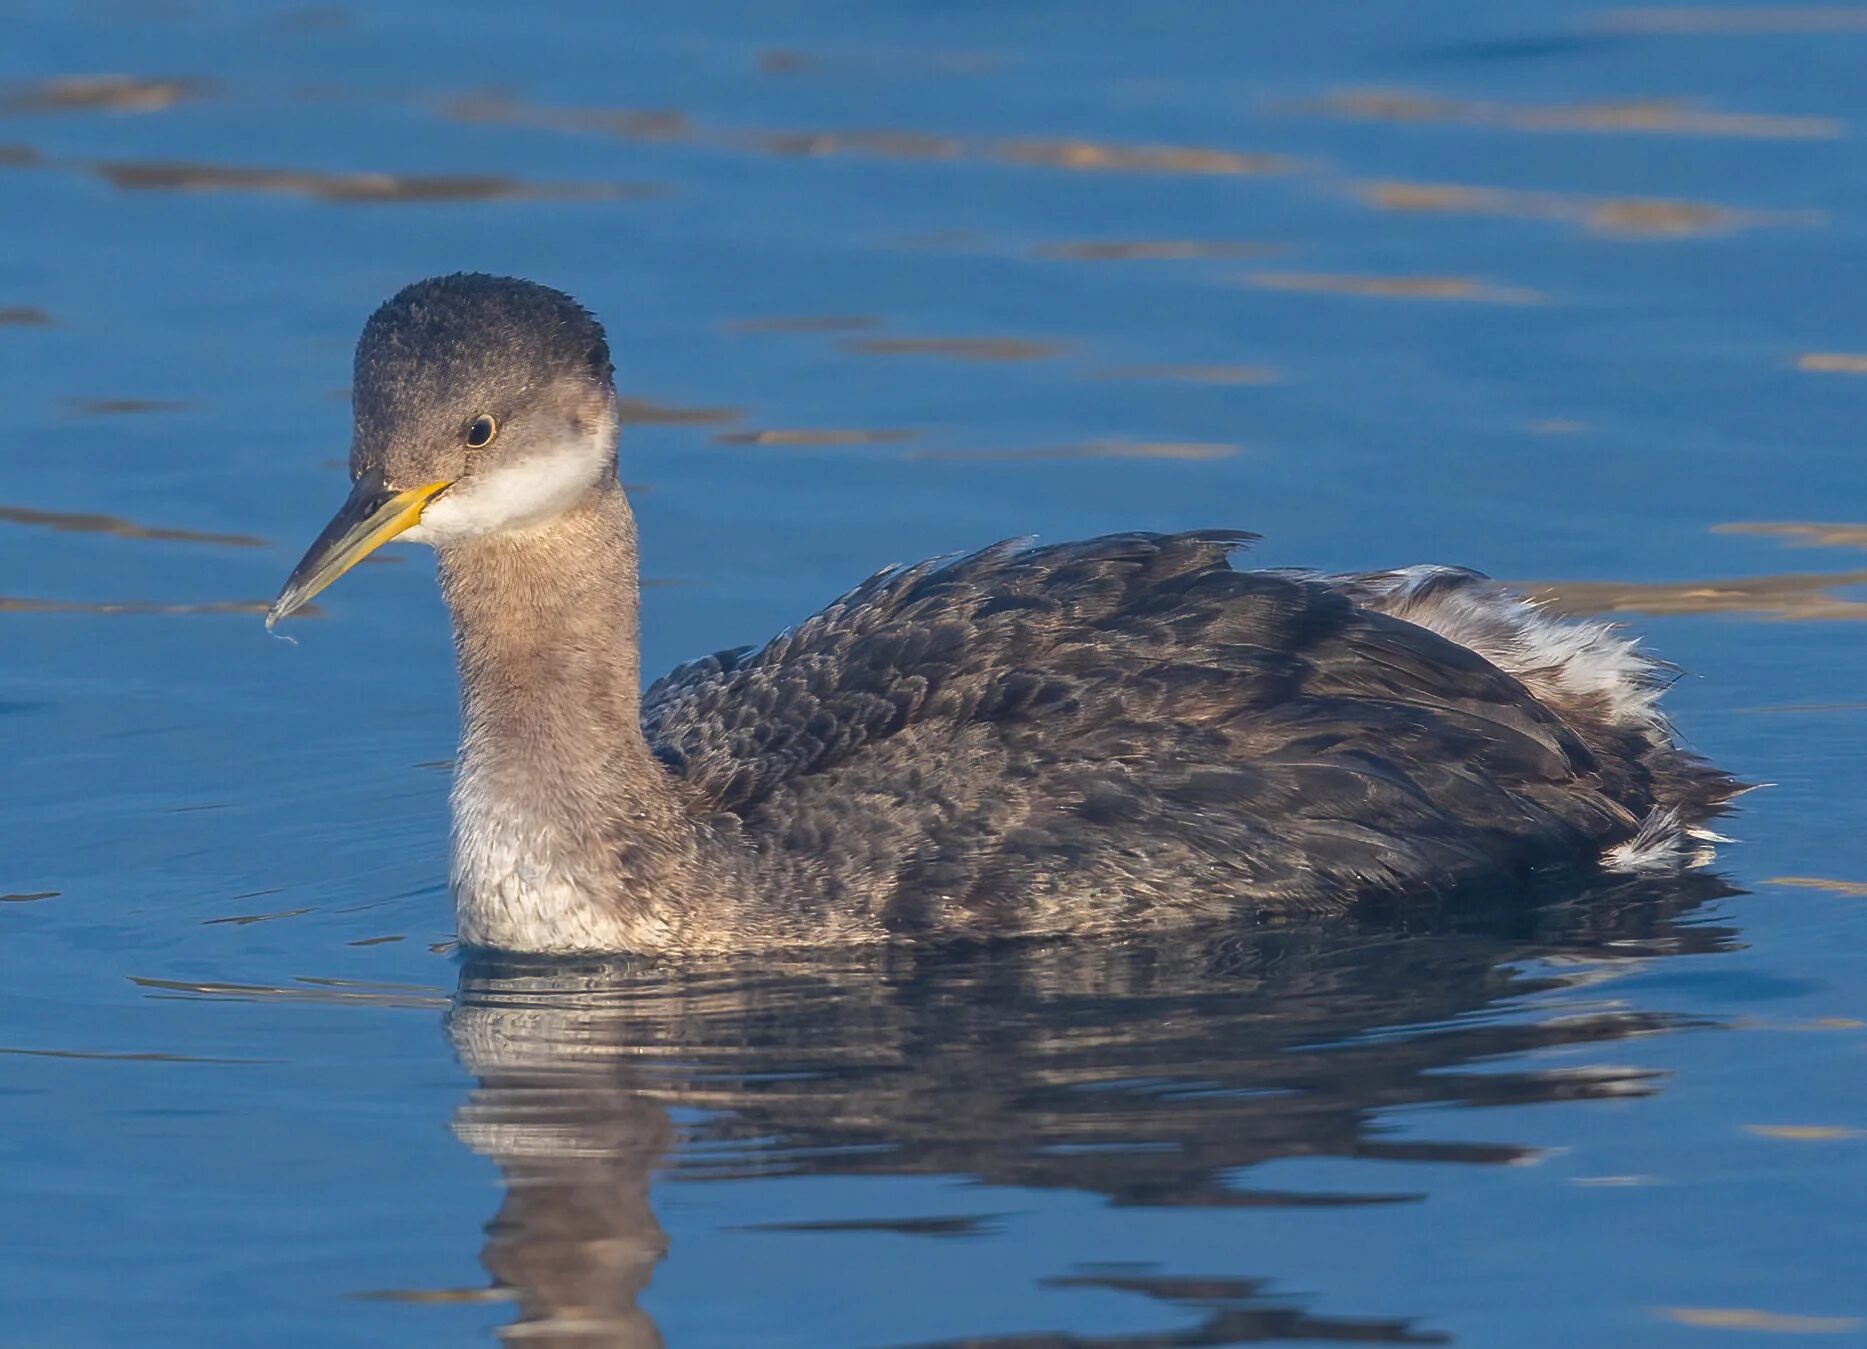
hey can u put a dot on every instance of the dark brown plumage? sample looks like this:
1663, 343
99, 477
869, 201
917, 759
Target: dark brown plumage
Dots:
1126, 729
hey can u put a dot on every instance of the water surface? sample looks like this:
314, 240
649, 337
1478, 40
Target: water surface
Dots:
1568, 293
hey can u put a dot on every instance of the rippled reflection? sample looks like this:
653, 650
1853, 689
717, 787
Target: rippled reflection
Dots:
647, 412
1833, 363
28, 604
123, 407
1194, 374
102, 93
1644, 217
1059, 152
1095, 156
1095, 449
177, 176
1803, 596
1394, 287
1152, 250
1792, 595
1749, 1318
1669, 116
1800, 533
1153, 1076
957, 348
815, 436
84, 522
1234, 1311
361, 187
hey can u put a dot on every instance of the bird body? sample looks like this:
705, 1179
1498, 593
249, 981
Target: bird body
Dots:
1086, 738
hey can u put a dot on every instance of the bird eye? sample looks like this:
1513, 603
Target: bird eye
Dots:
480, 431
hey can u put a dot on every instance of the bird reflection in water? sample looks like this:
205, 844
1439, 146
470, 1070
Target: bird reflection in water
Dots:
1150, 1075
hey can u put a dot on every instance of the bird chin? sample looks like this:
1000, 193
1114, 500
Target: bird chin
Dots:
511, 497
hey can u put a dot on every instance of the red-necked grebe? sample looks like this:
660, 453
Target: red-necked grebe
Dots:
1085, 738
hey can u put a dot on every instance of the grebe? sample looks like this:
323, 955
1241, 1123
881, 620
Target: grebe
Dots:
1085, 738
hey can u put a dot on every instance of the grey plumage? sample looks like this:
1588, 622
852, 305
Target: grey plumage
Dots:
1083, 738
1124, 730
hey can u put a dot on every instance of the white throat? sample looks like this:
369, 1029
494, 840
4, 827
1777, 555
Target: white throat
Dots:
519, 495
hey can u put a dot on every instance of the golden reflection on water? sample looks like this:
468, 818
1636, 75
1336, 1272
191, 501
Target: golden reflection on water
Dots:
1099, 449
801, 436
1647, 217
1195, 374
1750, 1318
1057, 152
1832, 363
177, 176
957, 348
1152, 250
1852, 889
1393, 287
66, 522
1806, 1133
1665, 116
101, 93
1803, 596
1800, 534
1791, 596
1101, 157
821, 144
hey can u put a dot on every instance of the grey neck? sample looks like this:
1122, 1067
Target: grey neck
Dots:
563, 818
546, 624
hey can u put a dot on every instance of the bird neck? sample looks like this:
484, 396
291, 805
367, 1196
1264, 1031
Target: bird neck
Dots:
568, 832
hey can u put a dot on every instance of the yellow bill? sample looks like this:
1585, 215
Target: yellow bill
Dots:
373, 514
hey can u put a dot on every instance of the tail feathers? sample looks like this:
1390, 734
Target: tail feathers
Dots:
1666, 844
1598, 680
1580, 667
1675, 838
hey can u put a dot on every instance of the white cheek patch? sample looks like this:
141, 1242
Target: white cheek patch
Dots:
513, 496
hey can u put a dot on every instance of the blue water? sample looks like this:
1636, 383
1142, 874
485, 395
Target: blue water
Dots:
1556, 291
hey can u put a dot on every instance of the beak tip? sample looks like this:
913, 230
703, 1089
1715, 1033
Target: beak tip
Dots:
290, 601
